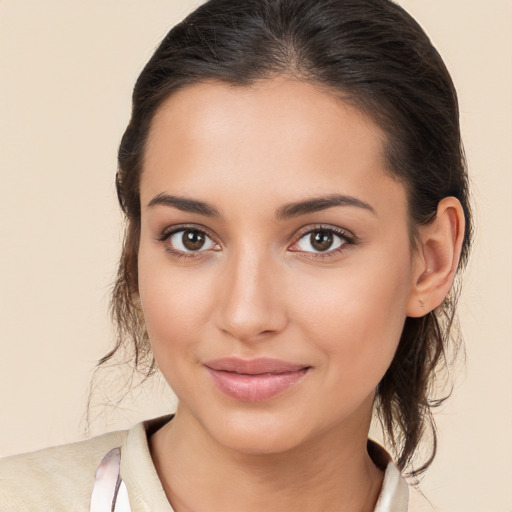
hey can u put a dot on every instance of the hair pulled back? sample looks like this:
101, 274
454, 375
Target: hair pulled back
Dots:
368, 52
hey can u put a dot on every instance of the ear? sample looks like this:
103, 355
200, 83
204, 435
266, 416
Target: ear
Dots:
436, 258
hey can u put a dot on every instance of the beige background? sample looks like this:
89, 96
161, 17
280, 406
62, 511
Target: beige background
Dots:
66, 73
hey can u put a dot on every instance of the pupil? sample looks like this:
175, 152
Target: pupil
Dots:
193, 240
321, 240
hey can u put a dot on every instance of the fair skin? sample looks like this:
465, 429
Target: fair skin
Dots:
251, 281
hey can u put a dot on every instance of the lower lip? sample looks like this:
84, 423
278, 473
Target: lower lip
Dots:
255, 388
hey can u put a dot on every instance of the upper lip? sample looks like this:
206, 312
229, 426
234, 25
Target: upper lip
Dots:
253, 366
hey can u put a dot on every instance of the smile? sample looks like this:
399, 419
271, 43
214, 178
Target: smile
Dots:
255, 380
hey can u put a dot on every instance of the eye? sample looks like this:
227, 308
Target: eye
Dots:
322, 240
189, 240
319, 241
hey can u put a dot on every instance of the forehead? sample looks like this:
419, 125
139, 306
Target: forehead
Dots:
277, 138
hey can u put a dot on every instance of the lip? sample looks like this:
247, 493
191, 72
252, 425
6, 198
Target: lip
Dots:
254, 380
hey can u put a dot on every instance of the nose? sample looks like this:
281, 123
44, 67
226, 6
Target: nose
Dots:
251, 303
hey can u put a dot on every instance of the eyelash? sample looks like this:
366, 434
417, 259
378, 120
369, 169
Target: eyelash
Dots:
167, 233
347, 240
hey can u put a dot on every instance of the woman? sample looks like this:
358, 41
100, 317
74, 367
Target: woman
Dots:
296, 196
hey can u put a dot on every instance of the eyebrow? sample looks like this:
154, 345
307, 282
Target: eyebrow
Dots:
287, 211
185, 205
316, 204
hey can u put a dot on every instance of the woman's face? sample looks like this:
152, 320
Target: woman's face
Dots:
275, 266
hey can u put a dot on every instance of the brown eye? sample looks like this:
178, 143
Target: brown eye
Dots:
191, 240
321, 240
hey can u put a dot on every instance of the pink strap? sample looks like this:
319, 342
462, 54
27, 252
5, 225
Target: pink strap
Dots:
109, 493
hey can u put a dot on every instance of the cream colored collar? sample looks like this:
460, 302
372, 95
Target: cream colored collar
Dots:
129, 471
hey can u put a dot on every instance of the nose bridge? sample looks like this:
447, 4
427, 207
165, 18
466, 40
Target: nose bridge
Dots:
250, 303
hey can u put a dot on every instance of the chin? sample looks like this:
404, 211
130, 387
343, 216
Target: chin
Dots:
261, 432
257, 431
260, 440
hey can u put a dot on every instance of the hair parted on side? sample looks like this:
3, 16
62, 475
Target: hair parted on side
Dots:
370, 53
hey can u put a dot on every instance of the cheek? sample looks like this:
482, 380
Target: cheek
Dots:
176, 307
355, 319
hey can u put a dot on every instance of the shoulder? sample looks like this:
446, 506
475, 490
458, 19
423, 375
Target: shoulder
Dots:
56, 478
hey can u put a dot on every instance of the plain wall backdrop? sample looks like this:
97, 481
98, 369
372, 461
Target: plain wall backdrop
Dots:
67, 69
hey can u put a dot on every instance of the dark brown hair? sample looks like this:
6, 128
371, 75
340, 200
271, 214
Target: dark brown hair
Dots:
370, 53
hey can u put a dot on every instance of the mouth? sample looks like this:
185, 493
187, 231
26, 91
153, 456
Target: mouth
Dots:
254, 380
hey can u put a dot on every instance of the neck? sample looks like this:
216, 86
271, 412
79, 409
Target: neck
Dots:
331, 473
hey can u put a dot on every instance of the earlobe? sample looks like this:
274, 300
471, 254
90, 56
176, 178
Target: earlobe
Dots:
437, 258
